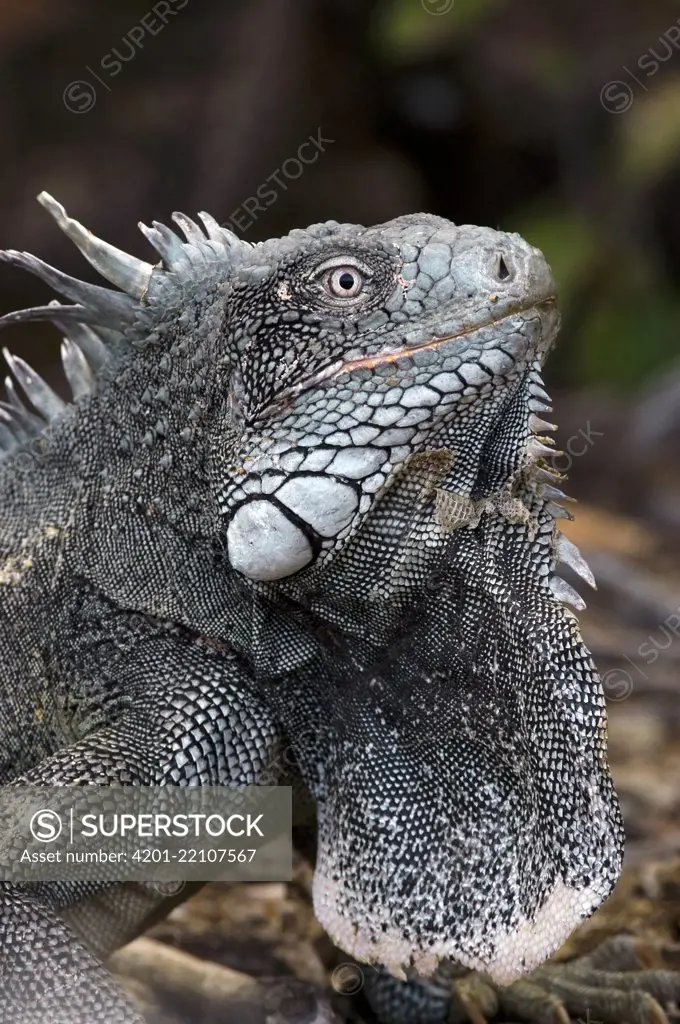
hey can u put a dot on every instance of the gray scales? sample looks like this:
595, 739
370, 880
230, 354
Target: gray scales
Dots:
301, 500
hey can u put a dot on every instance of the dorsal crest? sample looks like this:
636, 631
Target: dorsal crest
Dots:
101, 323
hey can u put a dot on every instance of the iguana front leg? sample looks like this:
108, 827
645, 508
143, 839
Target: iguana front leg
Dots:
193, 716
46, 975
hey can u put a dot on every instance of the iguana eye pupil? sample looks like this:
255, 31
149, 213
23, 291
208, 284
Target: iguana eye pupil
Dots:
345, 282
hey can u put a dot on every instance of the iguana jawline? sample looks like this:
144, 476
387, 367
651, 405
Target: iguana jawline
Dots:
369, 362
391, 356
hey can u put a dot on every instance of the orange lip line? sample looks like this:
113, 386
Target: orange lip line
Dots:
370, 362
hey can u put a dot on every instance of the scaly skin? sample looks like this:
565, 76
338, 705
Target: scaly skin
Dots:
300, 499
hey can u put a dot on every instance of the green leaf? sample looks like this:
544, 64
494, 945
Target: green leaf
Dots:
628, 338
406, 28
650, 133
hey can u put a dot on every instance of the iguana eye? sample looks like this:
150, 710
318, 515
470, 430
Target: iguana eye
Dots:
344, 282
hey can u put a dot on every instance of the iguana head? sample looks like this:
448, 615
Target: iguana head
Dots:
360, 413
360, 348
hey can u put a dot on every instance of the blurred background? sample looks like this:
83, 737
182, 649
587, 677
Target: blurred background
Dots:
557, 120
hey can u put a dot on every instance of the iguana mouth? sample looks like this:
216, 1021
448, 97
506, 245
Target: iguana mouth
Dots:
340, 366
370, 362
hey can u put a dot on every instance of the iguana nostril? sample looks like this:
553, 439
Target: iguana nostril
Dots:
502, 270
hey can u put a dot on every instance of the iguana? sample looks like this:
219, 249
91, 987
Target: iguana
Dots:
301, 498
